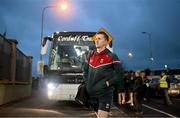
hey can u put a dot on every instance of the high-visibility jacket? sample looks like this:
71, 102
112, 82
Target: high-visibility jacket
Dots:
163, 82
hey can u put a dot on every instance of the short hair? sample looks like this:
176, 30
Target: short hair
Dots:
105, 35
142, 71
164, 71
131, 71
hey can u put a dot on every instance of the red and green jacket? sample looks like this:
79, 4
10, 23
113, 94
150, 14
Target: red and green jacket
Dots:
102, 67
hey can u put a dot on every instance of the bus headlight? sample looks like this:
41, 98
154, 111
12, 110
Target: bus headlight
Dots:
51, 86
50, 93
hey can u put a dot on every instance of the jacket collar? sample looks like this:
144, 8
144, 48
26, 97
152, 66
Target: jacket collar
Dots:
102, 52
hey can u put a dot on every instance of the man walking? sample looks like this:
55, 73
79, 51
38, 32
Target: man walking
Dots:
102, 71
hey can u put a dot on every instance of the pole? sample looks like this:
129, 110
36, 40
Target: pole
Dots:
150, 46
42, 26
40, 63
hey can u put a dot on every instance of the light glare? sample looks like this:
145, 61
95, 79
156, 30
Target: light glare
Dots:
51, 86
63, 6
50, 93
130, 54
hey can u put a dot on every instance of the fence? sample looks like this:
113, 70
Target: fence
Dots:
15, 66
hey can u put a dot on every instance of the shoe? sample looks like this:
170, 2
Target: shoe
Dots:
139, 113
131, 104
128, 102
110, 113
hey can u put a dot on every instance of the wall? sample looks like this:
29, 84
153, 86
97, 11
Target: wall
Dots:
9, 93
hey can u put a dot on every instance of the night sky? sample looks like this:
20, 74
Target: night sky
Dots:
125, 20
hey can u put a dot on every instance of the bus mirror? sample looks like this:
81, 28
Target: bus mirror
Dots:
44, 48
44, 42
40, 67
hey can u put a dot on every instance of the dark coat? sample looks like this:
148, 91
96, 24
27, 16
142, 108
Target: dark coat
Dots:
102, 67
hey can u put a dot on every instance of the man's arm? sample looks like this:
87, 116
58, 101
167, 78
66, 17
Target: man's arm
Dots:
118, 79
168, 81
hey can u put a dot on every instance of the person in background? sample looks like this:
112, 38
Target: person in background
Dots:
138, 93
145, 86
131, 81
126, 83
122, 93
164, 86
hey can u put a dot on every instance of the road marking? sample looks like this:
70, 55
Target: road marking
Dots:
170, 115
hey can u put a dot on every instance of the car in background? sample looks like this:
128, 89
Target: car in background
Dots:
174, 90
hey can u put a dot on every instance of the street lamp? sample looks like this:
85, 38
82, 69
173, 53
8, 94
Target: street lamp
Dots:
150, 48
152, 59
40, 64
130, 57
165, 66
130, 54
63, 6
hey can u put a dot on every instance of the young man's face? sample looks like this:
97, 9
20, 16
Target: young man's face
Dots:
142, 74
137, 74
162, 74
100, 41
